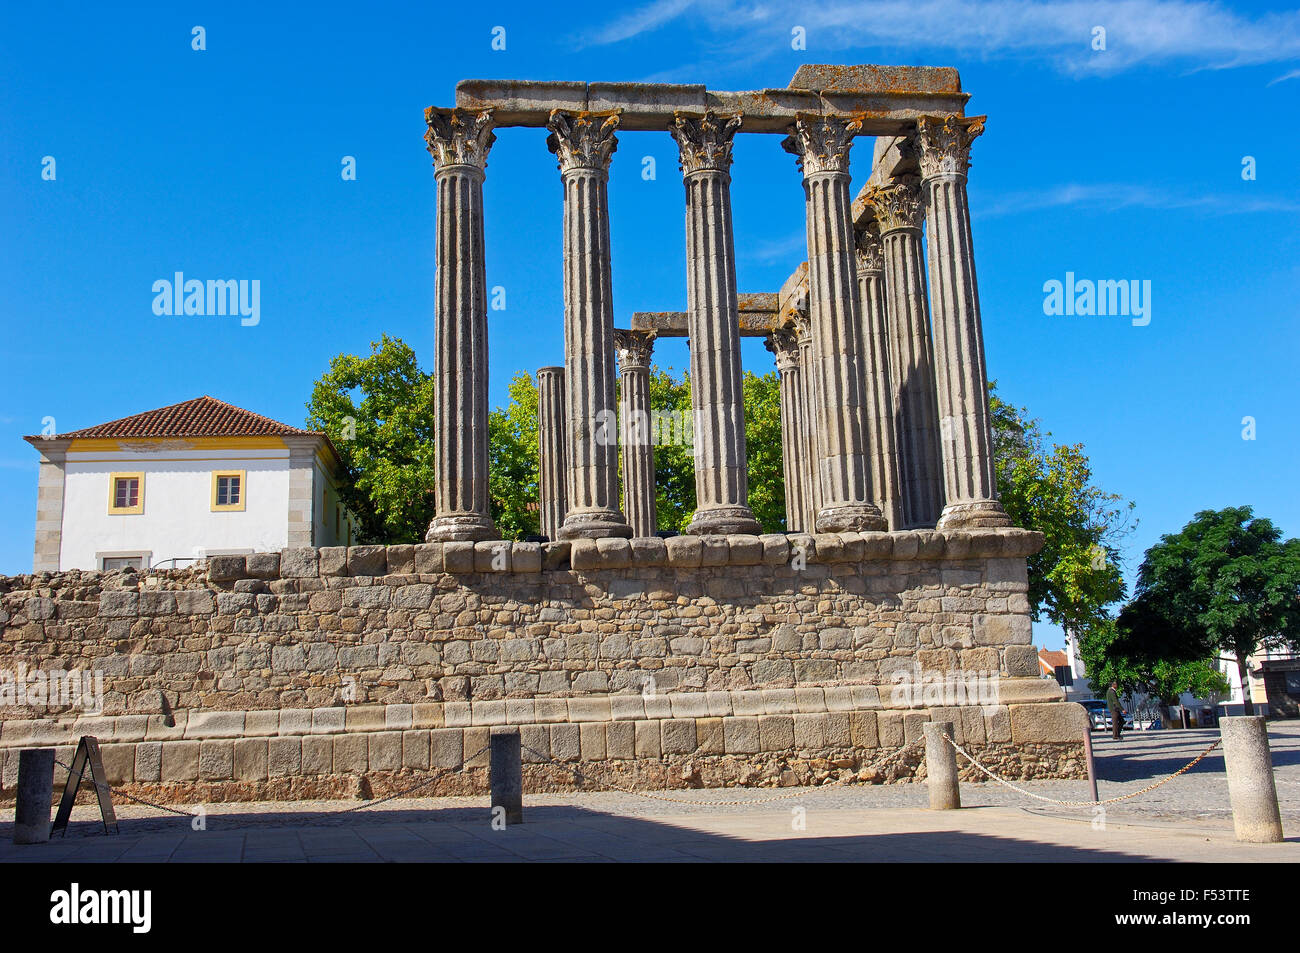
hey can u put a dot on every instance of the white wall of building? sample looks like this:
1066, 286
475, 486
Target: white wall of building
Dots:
177, 521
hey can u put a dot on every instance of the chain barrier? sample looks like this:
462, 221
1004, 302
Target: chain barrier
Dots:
659, 796
1051, 800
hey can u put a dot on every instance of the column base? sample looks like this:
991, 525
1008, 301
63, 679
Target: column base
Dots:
722, 521
460, 527
975, 513
851, 518
594, 524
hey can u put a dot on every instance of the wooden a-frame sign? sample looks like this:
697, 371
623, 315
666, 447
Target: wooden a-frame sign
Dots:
87, 754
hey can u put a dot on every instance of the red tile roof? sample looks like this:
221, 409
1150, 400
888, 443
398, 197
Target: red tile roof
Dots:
1051, 660
202, 417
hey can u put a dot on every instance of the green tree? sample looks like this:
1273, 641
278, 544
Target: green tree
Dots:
1077, 573
1226, 584
378, 411
513, 462
1162, 672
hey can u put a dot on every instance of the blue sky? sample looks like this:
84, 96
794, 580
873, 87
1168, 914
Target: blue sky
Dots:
225, 163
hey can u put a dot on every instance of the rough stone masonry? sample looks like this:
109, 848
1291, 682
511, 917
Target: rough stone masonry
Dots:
690, 661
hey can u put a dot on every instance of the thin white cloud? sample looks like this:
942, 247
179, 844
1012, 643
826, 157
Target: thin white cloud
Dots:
1294, 74
791, 246
1110, 197
1202, 34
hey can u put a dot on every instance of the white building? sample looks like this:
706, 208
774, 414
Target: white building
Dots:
171, 486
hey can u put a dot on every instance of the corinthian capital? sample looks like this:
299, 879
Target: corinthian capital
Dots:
898, 205
945, 142
633, 348
458, 137
582, 140
870, 251
821, 143
704, 142
784, 345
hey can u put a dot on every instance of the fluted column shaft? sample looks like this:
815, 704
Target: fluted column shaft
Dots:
809, 471
584, 142
899, 213
880, 416
459, 142
713, 322
835, 313
784, 345
551, 449
634, 349
970, 484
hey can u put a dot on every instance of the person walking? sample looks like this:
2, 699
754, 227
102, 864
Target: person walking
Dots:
1116, 712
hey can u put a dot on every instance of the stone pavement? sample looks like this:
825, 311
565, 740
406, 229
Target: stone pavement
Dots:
1187, 820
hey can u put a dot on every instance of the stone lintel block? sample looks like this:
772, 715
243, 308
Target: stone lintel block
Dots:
810, 699
829, 547
877, 546
1021, 661
997, 724
889, 726
458, 557
688, 704
906, 545
251, 759
215, 724
445, 749
684, 552
583, 555
526, 557
1021, 691
301, 562
929, 545
457, 714
649, 551
709, 736
263, 565
1045, 723
556, 555
565, 742
399, 559
776, 549
657, 706
217, 760
749, 703
810, 730
853, 546
521, 711
365, 717
594, 708
719, 703
535, 742
745, 549
399, 716
385, 752
295, 721
427, 715
802, 546
776, 732
367, 560
613, 553
714, 550
620, 740
552, 709
626, 707
180, 761
428, 558
957, 544
779, 701
864, 729
649, 739
912, 724
351, 753
740, 735
492, 555
591, 740
476, 744
284, 757
488, 712
333, 561
838, 697
677, 735
327, 720
119, 763
317, 755
226, 568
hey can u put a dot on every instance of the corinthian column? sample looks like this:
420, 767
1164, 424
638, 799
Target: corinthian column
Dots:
634, 349
784, 344
717, 401
899, 214
964, 423
880, 397
835, 312
459, 142
584, 142
551, 446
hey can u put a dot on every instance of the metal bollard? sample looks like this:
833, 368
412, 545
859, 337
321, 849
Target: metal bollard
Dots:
941, 766
506, 773
35, 795
1253, 794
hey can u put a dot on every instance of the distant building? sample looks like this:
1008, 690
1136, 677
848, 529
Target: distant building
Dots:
175, 485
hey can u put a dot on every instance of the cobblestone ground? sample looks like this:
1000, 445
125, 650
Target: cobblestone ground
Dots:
1187, 818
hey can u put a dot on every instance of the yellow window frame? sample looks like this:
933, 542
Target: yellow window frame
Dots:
113, 508
242, 476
